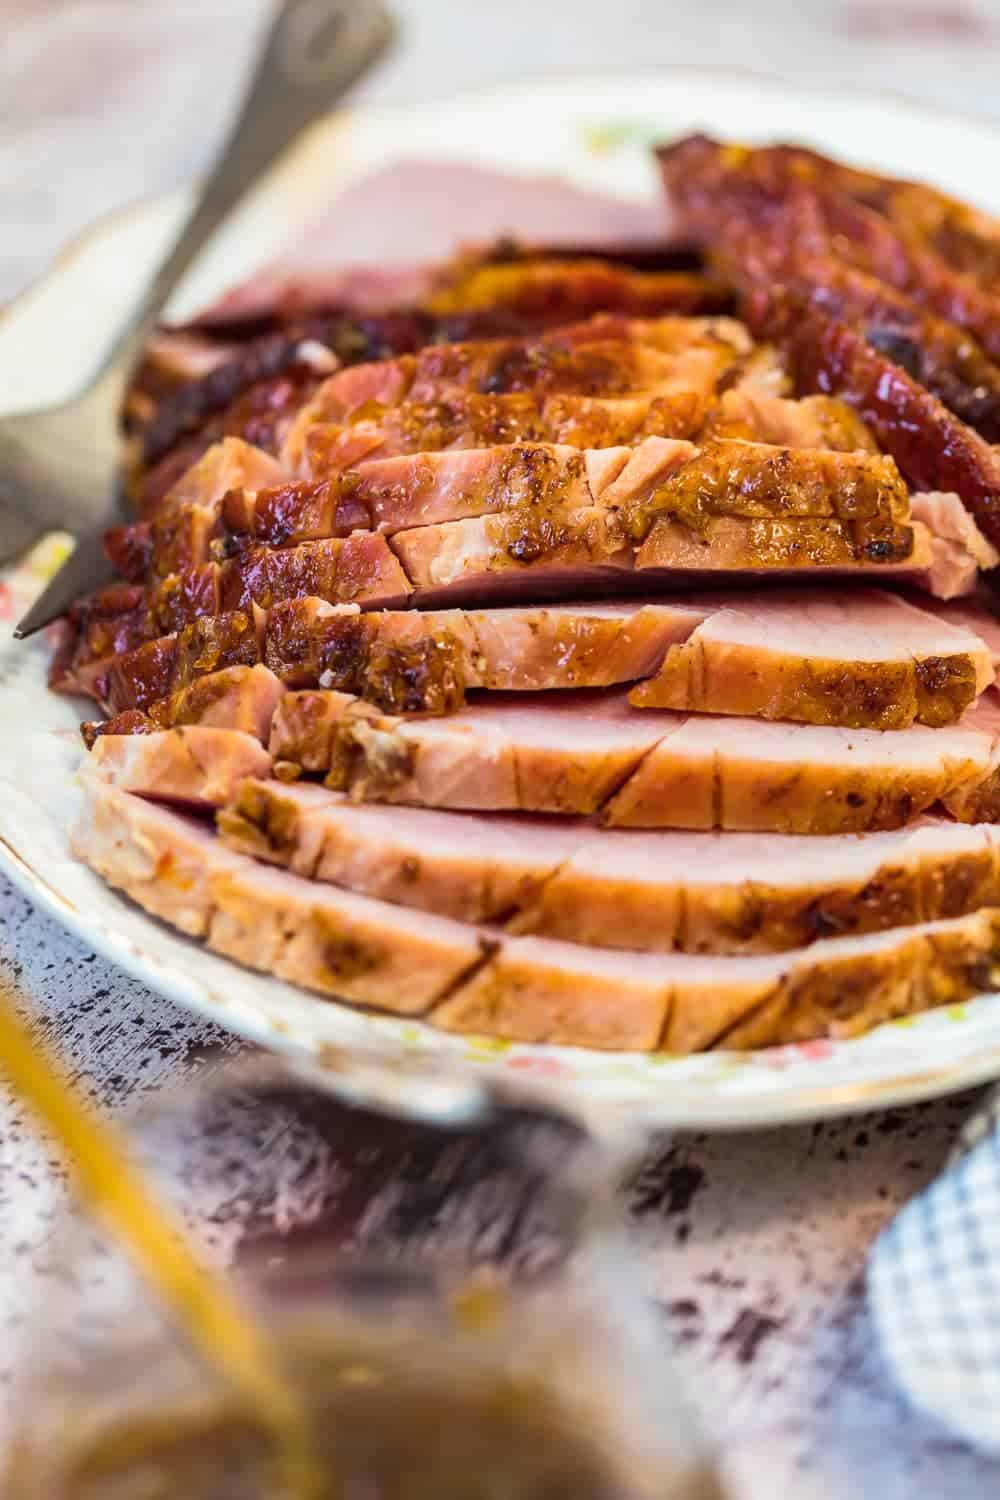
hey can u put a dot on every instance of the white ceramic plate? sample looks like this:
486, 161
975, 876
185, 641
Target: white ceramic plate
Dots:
595, 129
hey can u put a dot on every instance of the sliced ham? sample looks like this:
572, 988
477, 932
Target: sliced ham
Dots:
469, 978
566, 753
348, 946
476, 869
556, 554
607, 357
406, 660
196, 765
658, 476
863, 659
539, 990
472, 420
859, 659
578, 752
654, 892
425, 662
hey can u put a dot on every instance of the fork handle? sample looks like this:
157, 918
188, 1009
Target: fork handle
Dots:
314, 52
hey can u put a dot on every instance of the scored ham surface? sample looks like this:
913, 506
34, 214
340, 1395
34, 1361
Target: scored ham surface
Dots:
476, 979
692, 892
472, 420
855, 658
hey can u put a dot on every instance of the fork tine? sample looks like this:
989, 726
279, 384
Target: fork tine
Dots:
86, 569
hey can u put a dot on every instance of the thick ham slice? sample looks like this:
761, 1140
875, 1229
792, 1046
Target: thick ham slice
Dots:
656, 892
239, 698
659, 476
859, 659
538, 990
476, 979
405, 660
362, 950
607, 357
502, 556
472, 420
863, 659
577, 753
197, 766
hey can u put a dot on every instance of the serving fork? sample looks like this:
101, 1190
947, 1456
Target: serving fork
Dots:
59, 465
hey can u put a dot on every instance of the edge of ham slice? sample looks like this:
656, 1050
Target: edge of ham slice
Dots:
658, 892
576, 753
473, 979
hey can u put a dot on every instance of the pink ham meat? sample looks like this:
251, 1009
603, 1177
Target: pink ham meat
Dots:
197, 766
577, 753
655, 892
476, 979
416, 211
859, 659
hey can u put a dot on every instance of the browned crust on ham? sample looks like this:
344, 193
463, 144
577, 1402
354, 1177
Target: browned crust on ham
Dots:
472, 979
784, 213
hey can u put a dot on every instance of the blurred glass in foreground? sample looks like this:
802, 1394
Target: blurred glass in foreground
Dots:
458, 1308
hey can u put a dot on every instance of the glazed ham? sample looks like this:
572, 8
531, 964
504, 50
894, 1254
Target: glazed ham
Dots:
476, 979
472, 420
542, 651
771, 658
690, 892
863, 659
576, 753
197, 766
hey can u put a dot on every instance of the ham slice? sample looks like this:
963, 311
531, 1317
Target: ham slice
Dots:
574, 753
538, 990
472, 420
362, 950
239, 698
859, 659
654, 892
197, 766
606, 357
476, 869
659, 476
406, 660
492, 558
476, 979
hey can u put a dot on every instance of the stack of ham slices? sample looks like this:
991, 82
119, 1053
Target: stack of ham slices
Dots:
581, 650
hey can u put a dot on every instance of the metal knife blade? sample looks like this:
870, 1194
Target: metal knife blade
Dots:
86, 569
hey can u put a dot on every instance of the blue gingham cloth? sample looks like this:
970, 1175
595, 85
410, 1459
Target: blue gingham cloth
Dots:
934, 1289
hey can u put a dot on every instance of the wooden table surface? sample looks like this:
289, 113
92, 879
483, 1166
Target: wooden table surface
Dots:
755, 1243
